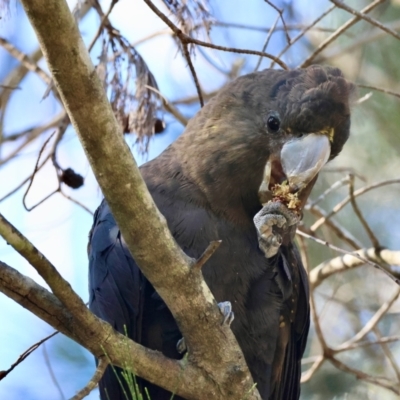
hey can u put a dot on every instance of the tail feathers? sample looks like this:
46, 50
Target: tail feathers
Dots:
287, 386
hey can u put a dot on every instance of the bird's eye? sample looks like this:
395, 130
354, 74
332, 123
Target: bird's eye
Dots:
273, 124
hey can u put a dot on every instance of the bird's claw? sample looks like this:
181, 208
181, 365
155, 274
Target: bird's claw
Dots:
226, 309
181, 346
273, 219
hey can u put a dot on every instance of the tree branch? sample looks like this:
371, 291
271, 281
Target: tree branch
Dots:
165, 265
343, 263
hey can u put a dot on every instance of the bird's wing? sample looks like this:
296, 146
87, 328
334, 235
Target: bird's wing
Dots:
116, 289
297, 333
115, 281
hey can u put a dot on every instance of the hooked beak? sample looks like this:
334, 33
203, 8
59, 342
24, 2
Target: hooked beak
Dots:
299, 162
303, 158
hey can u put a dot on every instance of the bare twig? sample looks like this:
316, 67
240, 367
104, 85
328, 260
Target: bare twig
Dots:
341, 232
193, 72
101, 367
35, 170
347, 200
170, 107
293, 27
395, 94
271, 31
104, 20
380, 381
25, 60
208, 252
25, 354
187, 39
303, 32
338, 184
371, 323
51, 372
354, 254
29, 178
388, 353
78, 203
361, 40
356, 345
357, 211
309, 60
349, 261
307, 375
361, 15
280, 15
32, 135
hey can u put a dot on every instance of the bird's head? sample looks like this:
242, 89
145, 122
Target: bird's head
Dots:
263, 129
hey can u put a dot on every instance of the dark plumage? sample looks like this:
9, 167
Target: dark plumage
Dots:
207, 184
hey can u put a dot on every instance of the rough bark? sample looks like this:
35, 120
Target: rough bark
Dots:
215, 367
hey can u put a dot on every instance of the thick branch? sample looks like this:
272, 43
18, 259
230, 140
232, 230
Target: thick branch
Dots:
125, 353
148, 238
35, 298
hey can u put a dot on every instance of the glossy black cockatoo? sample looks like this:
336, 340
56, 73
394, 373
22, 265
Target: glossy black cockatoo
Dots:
240, 173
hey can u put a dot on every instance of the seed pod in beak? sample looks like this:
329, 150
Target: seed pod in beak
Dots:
303, 158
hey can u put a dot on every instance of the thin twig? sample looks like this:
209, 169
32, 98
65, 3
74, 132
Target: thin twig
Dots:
193, 72
371, 323
170, 107
35, 170
303, 32
341, 232
34, 133
51, 372
208, 252
361, 15
78, 203
25, 354
357, 211
347, 200
349, 261
361, 40
280, 15
25, 180
318, 329
380, 381
354, 254
307, 375
104, 20
24, 60
378, 89
309, 60
101, 367
187, 39
151, 36
271, 31
338, 184
388, 353
294, 27
357, 345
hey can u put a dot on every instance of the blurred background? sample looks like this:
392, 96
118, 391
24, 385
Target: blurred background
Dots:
32, 123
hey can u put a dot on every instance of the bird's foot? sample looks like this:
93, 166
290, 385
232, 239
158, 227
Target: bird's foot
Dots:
226, 310
181, 346
271, 222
